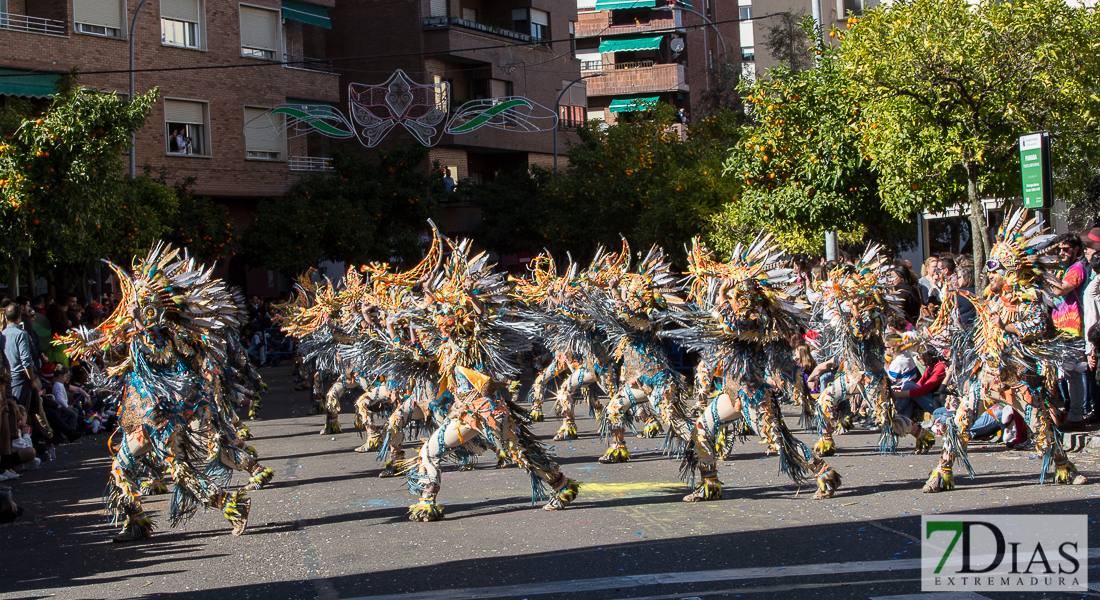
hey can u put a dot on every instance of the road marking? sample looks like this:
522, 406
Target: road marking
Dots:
607, 583
625, 488
935, 596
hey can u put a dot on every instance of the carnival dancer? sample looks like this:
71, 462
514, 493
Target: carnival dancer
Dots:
1015, 351
473, 342
851, 319
631, 311
741, 321
157, 343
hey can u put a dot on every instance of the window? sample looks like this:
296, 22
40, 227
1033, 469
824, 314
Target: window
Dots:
185, 127
748, 54
259, 32
531, 21
179, 23
491, 88
260, 141
744, 12
437, 8
98, 17
573, 38
469, 14
856, 7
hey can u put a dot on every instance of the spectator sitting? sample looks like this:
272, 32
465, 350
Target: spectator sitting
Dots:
59, 325
999, 417
920, 394
254, 346
62, 418
21, 444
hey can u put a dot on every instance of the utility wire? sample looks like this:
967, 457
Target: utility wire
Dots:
379, 56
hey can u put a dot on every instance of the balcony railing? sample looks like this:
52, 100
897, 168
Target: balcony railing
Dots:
596, 66
16, 22
445, 21
295, 61
310, 163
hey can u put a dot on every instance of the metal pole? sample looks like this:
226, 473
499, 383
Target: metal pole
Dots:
133, 22
557, 111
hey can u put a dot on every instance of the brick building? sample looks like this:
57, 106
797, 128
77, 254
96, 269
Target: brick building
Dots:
469, 50
206, 108
646, 51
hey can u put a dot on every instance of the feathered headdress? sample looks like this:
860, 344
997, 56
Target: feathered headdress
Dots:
1018, 256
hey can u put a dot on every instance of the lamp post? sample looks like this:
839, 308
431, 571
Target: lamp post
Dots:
133, 23
557, 112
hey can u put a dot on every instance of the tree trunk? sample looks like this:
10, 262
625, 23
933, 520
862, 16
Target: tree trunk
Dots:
979, 229
32, 287
13, 277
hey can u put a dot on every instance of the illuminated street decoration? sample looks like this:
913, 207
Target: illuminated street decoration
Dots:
423, 110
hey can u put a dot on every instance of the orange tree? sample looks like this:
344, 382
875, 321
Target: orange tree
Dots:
802, 165
61, 174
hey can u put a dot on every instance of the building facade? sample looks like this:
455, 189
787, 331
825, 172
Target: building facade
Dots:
197, 126
468, 50
641, 52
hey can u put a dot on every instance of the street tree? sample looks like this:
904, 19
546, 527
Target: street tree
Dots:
363, 211
61, 172
946, 87
802, 165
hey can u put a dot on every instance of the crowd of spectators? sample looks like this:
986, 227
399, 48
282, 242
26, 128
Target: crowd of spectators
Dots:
46, 402
264, 341
919, 378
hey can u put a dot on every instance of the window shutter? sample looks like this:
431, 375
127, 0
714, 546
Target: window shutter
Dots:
181, 111
498, 88
180, 10
469, 14
104, 13
519, 14
747, 38
259, 28
539, 17
438, 8
257, 136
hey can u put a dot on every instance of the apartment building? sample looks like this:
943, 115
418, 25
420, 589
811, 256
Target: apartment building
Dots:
468, 50
641, 52
197, 127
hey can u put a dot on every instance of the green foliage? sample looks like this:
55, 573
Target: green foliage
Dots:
640, 180
948, 86
146, 212
201, 225
60, 173
363, 211
786, 42
803, 166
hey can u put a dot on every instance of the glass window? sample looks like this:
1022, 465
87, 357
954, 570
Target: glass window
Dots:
98, 17
259, 32
263, 134
179, 33
745, 12
185, 128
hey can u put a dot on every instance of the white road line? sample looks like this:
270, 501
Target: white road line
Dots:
936, 596
608, 583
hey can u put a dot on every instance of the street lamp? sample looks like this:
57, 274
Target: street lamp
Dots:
133, 22
557, 113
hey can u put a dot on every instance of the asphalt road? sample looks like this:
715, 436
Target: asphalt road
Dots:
329, 528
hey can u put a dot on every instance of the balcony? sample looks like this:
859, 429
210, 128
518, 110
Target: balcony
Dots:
310, 163
636, 78
305, 63
598, 23
443, 22
16, 22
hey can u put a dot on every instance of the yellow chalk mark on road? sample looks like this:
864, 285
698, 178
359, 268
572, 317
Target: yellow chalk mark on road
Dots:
628, 488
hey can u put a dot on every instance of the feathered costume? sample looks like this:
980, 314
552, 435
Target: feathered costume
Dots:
576, 344
851, 318
165, 345
631, 311
1014, 351
741, 319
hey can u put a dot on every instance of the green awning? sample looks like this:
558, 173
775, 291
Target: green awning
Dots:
27, 84
310, 14
633, 104
631, 44
621, 4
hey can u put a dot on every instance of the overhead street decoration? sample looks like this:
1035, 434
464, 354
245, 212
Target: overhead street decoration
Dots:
424, 110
